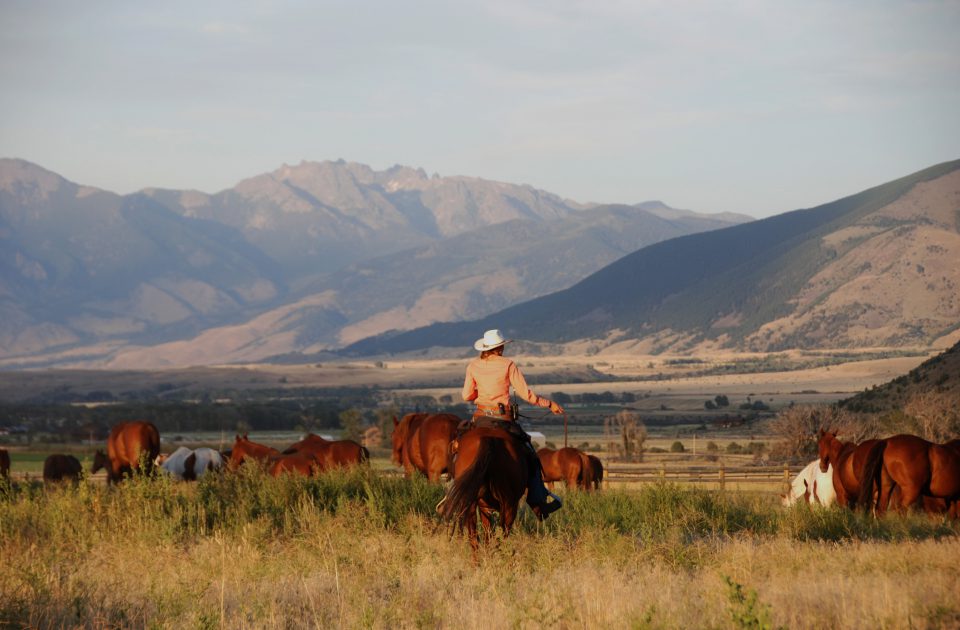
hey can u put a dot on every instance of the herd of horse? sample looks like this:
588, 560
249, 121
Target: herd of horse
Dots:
488, 467
898, 472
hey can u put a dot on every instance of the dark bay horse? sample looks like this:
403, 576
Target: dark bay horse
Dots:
596, 472
58, 468
848, 460
568, 464
244, 449
129, 444
490, 475
330, 454
4, 464
421, 442
914, 471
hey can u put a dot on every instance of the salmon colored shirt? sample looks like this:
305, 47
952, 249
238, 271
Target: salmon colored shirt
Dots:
488, 383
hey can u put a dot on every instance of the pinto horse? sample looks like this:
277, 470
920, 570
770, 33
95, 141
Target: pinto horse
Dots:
127, 444
421, 442
919, 470
188, 464
330, 454
244, 449
59, 468
490, 475
811, 485
848, 460
567, 464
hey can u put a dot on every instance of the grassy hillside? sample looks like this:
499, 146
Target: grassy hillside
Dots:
939, 375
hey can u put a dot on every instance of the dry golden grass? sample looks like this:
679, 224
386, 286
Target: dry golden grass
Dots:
367, 552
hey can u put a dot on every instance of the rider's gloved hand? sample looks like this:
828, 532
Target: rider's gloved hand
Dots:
555, 408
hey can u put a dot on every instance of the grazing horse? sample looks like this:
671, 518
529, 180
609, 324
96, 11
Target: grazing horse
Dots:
58, 468
596, 471
4, 464
188, 464
330, 454
919, 470
567, 464
812, 486
303, 463
848, 461
490, 475
128, 442
422, 442
245, 449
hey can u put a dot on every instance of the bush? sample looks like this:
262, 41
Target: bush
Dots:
677, 447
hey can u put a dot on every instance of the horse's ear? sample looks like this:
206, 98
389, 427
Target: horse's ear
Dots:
822, 432
395, 421
246, 436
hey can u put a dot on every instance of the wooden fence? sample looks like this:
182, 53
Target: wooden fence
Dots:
719, 474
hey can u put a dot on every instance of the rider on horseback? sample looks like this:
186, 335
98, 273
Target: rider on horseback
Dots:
487, 384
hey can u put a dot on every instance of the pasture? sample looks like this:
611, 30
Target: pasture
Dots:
367, 550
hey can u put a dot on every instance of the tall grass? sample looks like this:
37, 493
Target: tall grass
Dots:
358, 549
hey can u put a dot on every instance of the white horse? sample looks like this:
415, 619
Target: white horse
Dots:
811, 486
188, 464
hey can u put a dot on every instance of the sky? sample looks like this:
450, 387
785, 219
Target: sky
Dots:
740, 106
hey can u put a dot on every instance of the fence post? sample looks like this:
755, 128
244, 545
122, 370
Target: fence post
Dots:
663, 472
723, 477
786, 479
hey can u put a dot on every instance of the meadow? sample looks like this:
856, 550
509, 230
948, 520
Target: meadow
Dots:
365, 550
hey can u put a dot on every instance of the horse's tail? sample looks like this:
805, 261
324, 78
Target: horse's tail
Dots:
466, 487
364, 455
870, 479
586, 471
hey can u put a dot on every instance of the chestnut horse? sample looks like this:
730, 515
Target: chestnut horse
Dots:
919, 470
490, 475
567, 464
244, 449
127, 444
60, 468
304, 463
421, 442
330, 454
596, 471
848, 461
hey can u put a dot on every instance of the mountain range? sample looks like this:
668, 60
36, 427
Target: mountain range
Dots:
877, 268
302, 260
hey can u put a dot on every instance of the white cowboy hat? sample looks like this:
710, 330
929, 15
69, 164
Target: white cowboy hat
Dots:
491, 339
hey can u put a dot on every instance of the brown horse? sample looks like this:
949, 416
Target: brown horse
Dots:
330, 454
490, 475
567, 464
59, 468
129, 443
596, 471
295, 464
848, 461
919, 470
4, 464
422, 442
244, 449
